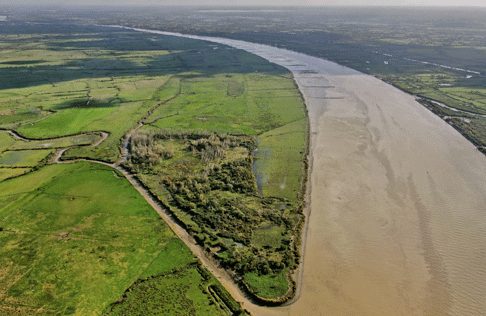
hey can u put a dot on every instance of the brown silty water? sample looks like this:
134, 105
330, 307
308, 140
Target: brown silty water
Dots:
397, 222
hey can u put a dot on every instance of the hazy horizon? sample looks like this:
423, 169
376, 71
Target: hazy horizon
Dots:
248, 3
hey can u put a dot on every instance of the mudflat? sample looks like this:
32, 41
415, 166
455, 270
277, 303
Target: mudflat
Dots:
397, 224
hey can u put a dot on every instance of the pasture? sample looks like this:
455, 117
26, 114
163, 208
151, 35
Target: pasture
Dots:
76, 238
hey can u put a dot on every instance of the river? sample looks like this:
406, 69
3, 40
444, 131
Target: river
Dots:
397, 222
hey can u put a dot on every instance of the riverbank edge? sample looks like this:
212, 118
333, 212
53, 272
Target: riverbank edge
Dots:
431, 105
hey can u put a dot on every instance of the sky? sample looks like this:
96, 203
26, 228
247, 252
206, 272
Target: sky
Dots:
478, 3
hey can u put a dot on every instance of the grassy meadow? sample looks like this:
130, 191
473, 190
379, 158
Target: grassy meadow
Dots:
23, 158
77, 238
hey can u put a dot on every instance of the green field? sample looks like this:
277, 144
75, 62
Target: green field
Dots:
264, 102
268, 286
74, 237
78, 238
63, 142
24, 158
5, 141
268, 107
283, 144
6, 173
80, 83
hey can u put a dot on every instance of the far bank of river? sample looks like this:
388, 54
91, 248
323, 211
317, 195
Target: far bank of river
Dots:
397, 224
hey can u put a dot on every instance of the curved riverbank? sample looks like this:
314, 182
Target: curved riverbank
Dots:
397, 224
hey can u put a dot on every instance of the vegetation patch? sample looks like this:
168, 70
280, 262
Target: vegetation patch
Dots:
63, 142
74, 237
5, 141
24, 158
182, 291
278, 161
89, 103
268, 286
206, 179
7, 173
268, 235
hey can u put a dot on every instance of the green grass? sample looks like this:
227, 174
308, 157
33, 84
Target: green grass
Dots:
172, 256
25, 158
13, 117
265, 103
63, 142
267, 286
76, 236
5, 141
6, 173
268, 236
279, 160
177, 293
67, 122
81, 251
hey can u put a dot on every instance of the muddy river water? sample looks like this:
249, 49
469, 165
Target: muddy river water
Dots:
397, 222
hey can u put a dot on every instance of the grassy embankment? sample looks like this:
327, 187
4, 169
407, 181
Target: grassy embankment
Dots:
75, 238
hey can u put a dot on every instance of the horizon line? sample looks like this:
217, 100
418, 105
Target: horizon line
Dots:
222, 7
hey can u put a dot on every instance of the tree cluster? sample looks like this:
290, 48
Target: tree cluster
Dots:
222, 199
145, 151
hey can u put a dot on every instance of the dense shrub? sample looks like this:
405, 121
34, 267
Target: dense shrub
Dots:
221, 199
